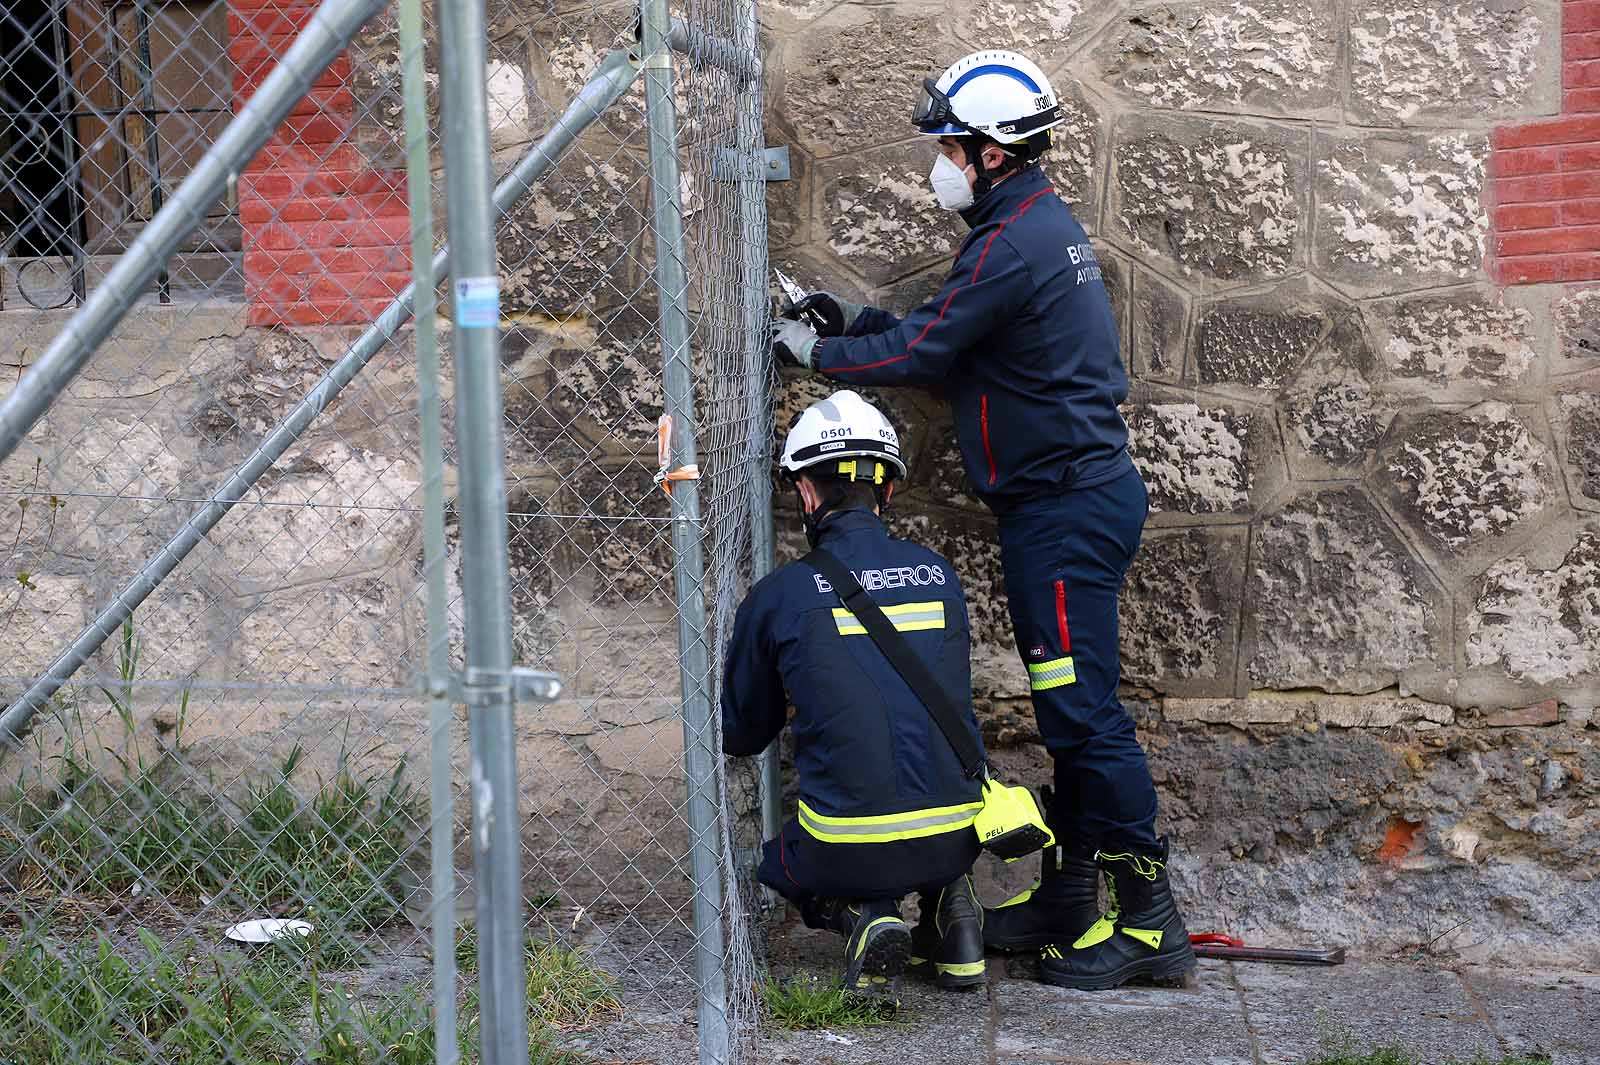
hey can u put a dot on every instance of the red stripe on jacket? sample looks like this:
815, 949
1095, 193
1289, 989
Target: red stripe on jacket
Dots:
928, 328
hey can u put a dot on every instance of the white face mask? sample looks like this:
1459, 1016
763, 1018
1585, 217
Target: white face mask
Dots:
950, 184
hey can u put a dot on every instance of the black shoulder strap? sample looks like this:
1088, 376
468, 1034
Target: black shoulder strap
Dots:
900, 655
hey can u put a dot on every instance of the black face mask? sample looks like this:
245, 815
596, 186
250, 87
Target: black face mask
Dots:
812, 520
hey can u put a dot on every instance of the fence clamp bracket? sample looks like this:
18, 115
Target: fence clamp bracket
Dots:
771, 165
485, 687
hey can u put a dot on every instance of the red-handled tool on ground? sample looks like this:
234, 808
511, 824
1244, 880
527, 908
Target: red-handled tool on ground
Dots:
1230, 948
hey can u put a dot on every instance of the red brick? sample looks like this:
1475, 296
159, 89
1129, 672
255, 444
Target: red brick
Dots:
1519, 162
314, 129
387, 204
1543, 269
331, 288
1548, 241
1569, 129
321, 183
393, 259
1580, 157
302, 158
1580, 16
334, 101
309, 313
266, 21
1516, 216
246, 79
1581, 212
307, 236
1547, 187
1580, 46
1584, 74
1581, 101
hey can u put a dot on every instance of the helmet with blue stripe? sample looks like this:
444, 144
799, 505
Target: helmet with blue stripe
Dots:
995, 94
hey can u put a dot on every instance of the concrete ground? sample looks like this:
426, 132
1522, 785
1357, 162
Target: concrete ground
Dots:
1233, 1014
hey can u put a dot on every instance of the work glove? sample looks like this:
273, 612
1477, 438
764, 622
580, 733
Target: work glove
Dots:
793, 343
828, 314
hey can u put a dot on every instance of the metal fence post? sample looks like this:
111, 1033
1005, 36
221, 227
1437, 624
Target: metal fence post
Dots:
329, 31
480, 440
441, 791
699, 747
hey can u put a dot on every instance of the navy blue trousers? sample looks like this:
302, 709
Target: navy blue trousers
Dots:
804, 869
1065, 558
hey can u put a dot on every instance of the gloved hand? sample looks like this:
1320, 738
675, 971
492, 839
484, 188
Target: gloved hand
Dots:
793, 342
828, 314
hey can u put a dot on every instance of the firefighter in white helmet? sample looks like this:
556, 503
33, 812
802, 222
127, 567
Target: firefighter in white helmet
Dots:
1022, 341
886, 807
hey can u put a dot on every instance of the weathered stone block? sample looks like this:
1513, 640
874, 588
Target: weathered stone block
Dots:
1545, 712
1273, 57
623, 552
1196, 460
335, 510
1180, 610
1333, 424
1577, 317
1334, 599
1159, 331
1077, 149
571, 243
343, 632
600, 382
1539, 624
854, 77
1467, 336
1457, 60
881, 216
1219, 199
973, 548
1260, 340
1378, 712
1578, 425
1397, 213
43, 614
1462, 479
1230, 711
1044, 32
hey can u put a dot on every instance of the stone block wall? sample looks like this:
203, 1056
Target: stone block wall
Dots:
1361, 639
1360, 635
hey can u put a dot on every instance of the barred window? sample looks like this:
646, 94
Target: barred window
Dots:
104, 108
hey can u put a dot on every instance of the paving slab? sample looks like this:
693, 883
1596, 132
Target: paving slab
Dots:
1198, 1025
1557, 1014
1297, 1013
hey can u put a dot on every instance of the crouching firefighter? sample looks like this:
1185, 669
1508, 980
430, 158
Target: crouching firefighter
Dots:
886, 807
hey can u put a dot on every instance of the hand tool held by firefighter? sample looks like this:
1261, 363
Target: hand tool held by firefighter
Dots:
1009, 826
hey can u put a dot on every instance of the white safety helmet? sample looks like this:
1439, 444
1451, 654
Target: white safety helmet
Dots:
842, 431
1000, 95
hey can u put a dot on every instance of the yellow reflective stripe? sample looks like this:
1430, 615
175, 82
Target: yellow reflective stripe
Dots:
1098, 932
866, 933
1051, 674
885, 828
1020, 897
959, 968
907, 617
1149, 937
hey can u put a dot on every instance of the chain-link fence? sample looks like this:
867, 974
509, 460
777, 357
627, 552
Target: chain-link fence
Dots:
215, 619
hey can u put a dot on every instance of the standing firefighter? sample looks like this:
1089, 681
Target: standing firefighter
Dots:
1022, 341
885, 806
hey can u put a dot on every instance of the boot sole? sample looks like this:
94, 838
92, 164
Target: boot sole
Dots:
1026, 943
1173, 967
887, 951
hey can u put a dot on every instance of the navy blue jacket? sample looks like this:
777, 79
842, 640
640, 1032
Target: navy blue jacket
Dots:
1022, 342
864, 745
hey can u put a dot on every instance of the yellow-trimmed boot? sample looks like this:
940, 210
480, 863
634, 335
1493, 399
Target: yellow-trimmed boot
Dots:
947, 944
1142, 935
1060, 906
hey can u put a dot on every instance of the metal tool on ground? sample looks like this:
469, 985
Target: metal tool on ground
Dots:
1231, 948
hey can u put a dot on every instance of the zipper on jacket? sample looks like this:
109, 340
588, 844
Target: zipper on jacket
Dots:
983, 424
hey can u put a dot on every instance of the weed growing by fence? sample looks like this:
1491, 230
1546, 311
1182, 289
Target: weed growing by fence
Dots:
805, 1002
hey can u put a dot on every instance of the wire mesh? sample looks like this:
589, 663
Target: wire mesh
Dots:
253, 744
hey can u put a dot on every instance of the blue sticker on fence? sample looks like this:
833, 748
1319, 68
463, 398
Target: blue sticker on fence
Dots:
478, 302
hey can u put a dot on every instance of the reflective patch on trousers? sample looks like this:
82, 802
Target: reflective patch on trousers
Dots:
1052, 674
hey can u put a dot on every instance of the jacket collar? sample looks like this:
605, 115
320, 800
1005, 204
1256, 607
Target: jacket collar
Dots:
1006, 197
838, 523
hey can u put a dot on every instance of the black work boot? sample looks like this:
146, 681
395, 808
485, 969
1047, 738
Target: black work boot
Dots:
876, 947
1141, 935
1058, 908
947, 944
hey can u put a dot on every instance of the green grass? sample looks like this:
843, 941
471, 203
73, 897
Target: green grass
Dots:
805, 1002
1396, 1054
138, 819
565, 989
